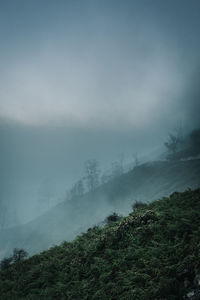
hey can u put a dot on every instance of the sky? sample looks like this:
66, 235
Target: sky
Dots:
95, 78
98, 63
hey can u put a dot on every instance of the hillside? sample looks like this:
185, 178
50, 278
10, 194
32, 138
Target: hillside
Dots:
153, 254
146, 182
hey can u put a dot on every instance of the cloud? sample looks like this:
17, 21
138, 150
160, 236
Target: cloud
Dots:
87, 91
98, 65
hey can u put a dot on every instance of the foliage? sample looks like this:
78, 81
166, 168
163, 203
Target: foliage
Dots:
5, 263
114, 217
138, 204
18, 256
152, 254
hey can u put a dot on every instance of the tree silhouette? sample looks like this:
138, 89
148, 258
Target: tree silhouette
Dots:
92, 174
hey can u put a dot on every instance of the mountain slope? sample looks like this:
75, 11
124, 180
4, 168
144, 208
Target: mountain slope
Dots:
153, 254
144, 183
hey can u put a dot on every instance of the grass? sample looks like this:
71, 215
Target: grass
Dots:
154, 253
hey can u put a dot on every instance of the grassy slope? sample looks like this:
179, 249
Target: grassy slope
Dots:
146, 182
154, 253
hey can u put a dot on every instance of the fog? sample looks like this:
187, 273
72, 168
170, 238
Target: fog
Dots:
32, 156
90, 80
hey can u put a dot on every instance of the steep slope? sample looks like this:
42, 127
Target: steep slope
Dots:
153, 254
145, 183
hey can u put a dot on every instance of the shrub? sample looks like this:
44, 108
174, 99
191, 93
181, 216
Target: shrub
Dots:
114, 217
5, 263
138, 204
19, 255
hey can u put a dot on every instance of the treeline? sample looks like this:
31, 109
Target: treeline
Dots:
183, 147
93, 177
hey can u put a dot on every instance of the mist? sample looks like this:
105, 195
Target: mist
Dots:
90, 80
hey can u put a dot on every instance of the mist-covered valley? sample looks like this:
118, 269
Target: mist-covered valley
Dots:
40, 165
61, 213
99, 123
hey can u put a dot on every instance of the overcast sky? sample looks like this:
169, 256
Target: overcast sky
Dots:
92, 79
113, 64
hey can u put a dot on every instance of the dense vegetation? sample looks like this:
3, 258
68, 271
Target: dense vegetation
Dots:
154, 253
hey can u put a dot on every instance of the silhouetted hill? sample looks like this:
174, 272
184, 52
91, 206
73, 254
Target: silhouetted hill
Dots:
152, 254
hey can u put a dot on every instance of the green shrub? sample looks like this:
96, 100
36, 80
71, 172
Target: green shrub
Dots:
138, 204
114, 217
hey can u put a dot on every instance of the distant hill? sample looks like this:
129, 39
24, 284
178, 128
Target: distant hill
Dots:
153, 254
145, 183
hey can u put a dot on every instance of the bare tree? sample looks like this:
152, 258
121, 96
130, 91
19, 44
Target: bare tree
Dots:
92, 174
174, 142
77, 190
